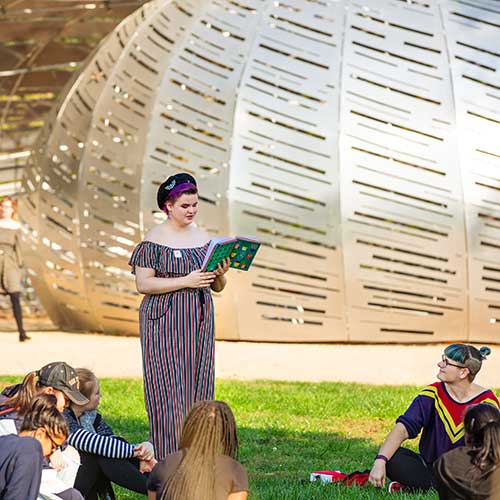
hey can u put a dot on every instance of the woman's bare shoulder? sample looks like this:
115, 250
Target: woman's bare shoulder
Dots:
156, 233
193, 237
202, 235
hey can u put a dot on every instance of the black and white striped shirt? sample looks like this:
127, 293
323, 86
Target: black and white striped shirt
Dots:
100, 442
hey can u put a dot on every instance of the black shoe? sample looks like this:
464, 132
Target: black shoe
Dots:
23, 337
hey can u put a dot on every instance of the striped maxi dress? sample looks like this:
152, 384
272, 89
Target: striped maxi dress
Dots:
177, 341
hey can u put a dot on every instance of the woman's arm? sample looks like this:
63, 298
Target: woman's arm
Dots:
151, 495
17, 247
146, 281
392, 442
106, 446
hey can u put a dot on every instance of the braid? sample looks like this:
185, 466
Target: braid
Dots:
209, 431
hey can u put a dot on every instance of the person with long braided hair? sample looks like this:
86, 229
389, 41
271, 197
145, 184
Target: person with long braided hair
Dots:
472, 472
206, 464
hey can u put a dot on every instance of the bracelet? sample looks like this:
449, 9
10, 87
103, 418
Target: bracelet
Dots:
382, 457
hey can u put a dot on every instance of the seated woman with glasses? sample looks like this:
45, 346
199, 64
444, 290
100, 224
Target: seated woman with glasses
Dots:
437, 411
57, 379
42, 432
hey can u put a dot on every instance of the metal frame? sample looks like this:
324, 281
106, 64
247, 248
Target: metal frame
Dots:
356, 140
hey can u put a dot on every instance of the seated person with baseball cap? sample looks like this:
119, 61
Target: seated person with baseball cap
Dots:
57, 378
60, 380
43, 430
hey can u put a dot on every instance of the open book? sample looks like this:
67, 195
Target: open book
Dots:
240, 249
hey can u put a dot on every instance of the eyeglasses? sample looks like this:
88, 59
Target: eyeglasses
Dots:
55, 446
444, 359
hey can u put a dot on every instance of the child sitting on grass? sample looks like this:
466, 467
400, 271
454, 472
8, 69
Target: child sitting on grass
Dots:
105, 458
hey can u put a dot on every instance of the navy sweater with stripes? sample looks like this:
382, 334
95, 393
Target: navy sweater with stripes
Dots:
100, 442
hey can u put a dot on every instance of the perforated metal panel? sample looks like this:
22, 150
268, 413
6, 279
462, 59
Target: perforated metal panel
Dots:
284, 179
473, 31
54, 209
342, 134
402, 224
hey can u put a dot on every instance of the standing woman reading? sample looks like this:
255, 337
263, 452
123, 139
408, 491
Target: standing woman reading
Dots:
176, 314
11, 261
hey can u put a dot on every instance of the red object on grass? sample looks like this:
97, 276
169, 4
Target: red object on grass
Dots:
334, 476
328, 476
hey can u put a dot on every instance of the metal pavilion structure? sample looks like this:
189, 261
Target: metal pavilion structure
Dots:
42, 43
357, 140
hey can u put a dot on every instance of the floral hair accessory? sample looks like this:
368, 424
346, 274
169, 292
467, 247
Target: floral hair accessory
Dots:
174, 186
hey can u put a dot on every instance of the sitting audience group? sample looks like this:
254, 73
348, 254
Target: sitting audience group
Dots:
54, 443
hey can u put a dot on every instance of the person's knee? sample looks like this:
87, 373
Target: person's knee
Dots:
71, 454
409, 468
395, 461
70, 494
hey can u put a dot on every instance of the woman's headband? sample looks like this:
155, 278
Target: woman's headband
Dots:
173, 187
178, 189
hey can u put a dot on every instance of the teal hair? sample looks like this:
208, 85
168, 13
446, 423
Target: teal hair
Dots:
467, 355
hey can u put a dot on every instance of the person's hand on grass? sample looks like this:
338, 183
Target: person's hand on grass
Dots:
377, 474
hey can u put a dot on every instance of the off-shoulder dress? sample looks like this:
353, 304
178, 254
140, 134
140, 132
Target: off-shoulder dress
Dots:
177, 341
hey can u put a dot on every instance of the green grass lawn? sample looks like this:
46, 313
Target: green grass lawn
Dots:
286, 431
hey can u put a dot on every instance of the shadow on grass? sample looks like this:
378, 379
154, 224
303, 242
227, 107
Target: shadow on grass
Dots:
279, 463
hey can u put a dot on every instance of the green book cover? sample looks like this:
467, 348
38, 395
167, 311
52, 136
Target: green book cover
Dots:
240, 249
244, 252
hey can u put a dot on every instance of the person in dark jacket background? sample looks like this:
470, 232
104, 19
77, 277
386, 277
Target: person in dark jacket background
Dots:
11, 260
